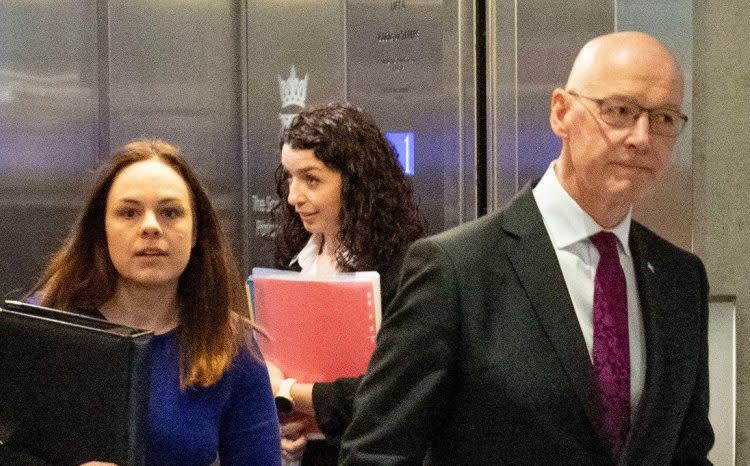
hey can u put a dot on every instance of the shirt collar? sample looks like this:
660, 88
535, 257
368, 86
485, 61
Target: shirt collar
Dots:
308, 254
567, 223
306, 257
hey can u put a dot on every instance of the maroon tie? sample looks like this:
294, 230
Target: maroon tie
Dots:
611, 347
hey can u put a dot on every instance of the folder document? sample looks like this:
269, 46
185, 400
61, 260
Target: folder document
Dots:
317, 329
72, 388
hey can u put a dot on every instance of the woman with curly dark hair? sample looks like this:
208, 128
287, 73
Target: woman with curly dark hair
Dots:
349, 207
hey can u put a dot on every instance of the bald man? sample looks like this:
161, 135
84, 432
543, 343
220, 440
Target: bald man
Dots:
557, 331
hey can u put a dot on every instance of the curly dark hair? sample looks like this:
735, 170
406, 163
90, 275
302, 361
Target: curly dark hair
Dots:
379, 217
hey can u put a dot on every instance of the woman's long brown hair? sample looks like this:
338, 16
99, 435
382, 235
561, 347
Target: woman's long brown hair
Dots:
80, 275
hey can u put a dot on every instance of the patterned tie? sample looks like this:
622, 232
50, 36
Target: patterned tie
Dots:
611, 347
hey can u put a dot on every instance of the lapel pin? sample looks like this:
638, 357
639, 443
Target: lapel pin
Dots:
651, 267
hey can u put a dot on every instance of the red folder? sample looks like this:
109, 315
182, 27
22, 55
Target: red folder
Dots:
317, 329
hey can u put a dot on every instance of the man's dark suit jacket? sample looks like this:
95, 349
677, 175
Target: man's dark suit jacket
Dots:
481, 359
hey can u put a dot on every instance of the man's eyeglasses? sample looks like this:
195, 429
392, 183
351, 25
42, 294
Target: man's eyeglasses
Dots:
621, 113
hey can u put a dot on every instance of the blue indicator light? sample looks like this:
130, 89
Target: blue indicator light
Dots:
403, 143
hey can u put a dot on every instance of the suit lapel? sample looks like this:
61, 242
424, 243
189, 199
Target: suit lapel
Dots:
652, 291
533, 258
535, 263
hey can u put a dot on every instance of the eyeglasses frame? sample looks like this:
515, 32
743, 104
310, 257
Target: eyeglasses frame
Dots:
642, 109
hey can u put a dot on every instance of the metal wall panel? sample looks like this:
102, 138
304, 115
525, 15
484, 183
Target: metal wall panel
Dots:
502, 103
668, 210
531, 48
48, 87
48, 128
412, 65
300, 45
548, 40
408, 63
78, 77
722, 377
175, 74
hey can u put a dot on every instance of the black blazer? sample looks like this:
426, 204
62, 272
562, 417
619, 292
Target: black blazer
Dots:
333, 400
481, 359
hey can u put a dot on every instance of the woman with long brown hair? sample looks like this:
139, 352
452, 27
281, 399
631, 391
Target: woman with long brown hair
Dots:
148, 252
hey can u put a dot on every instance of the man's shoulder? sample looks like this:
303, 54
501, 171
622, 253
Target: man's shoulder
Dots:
642, 236
520, 212
472, 233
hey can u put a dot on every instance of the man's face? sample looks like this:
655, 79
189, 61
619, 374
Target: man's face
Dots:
617, 165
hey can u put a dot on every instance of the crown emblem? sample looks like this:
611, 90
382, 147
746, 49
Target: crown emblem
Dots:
293, 91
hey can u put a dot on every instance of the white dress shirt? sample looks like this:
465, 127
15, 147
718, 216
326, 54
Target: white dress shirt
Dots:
310, 260
569, 228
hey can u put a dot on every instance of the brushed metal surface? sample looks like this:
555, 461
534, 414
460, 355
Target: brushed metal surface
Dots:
309, 36
668, 210
531, 46
174, 73
412, 65
48, 128
530, 50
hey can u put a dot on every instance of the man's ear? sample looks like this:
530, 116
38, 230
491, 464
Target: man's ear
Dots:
559, 107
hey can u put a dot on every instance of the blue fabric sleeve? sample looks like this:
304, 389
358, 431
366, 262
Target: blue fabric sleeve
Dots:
249, 432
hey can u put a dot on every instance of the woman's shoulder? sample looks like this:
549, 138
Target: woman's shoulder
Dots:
247, 373
248, 357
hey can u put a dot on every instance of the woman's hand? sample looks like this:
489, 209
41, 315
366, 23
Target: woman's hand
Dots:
301, 392
293, 440
294, 430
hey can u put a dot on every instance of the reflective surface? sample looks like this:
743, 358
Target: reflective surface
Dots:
669, 209
174, 73
408, 63
308, 36
722, 377
79, 78
411, 64
48, 88
48, 128
531, 47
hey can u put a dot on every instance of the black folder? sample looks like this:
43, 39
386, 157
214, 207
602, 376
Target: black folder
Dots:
72, 388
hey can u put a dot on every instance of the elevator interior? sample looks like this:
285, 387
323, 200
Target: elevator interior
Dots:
462, 88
